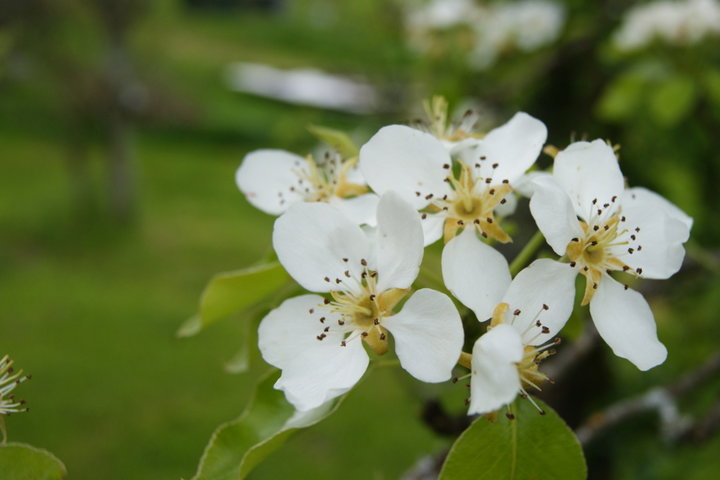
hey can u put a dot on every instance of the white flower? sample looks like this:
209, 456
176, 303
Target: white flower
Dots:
525, 316
9, 379
419, 167
586, 215
273, 180
318, 342
526, 26
673, 22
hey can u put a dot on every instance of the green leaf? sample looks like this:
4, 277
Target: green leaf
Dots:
340, 141
672, 100
25, 462
236, 447
231, 292
622, 97
532, 446
240, 362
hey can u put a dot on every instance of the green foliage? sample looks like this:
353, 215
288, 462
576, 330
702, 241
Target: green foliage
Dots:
269, 420
25, 462
231, 292
672, 100
337, 139
531, 446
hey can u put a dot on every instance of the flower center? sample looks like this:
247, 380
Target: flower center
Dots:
598, 251
437, 124
472, 203
320, 181
361, 309
527, 367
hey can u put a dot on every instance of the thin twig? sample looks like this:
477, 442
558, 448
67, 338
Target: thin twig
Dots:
663, 399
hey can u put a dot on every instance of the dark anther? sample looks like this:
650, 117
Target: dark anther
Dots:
574, 239
341, 322
506, 181
476, 221
326, 301
489, 220
460, 222
631, 250
364, 334
347, 273
482, 157
363, 262
495, 165
502, 202
638, 270
423, 216
545, 307
572, 264
446, 165
327, 279
383, 336
594, 201
372, 298
311, 311
345, 259
337, 280
417, 194
596, 228
510, 416
545, 330
322, 319
517, 311
326, 329
376, 321
428, 196
492, 191
488, 180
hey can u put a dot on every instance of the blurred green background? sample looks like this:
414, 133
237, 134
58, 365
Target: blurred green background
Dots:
119, 139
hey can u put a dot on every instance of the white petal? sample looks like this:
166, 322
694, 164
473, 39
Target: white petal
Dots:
399, 243
407, 161
432, 226
660, 229
475, 273
624, 320
589, 171
495, 380
361, 209
313, 371
514, 147
544, 283
311, 241
524, 185
508, 208
266, 176
428, 335
554, 213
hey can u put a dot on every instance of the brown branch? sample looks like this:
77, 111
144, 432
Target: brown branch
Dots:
663, 400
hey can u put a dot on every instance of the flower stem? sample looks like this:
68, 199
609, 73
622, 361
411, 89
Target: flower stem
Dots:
523, 258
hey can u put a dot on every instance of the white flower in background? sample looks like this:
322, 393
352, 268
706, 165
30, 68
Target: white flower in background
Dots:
420, 168
673, 22
525, 26
318, 342
525, 316
441, 14
9, 379
273, 180
587, 216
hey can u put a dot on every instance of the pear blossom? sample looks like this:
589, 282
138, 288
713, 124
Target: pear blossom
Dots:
525, 25
672, 22
419, 168
9, 379
525, 314
273, 180
588, 217
317, 341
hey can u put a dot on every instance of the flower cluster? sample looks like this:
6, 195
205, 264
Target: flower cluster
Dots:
360, 253
495, 28
673, 22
